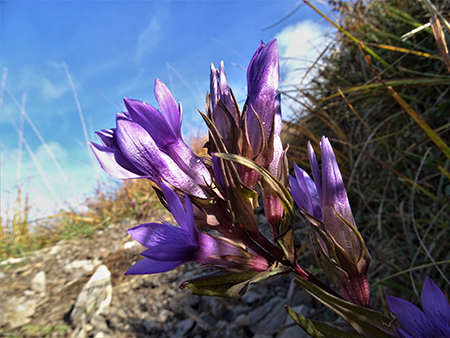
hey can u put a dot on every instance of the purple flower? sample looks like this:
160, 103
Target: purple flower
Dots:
263, 127
432, 322
344, 257
326, 198
147, 143
226, 120
263, 76
169, 246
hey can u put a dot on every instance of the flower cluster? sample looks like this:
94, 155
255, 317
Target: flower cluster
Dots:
217, 194
212, 200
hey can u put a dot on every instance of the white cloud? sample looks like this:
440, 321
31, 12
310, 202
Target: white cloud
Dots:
148, 39
42, 152
299, 46
50, 81
53, 90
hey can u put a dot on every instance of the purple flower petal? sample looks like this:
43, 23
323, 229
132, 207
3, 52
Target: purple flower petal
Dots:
434, 302
263, 76
141, 150
218, 173
315, 169
108, 138
139, 147
335, 200
168, 107
220, 91
436, 306
211, 249
403, 333
307, 193
171, 252
194, 233
114, 163
175, 207
152, 121
410, 318
297, 193
159, 234
148, 266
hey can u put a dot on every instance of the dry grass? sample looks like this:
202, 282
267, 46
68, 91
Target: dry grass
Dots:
133, 199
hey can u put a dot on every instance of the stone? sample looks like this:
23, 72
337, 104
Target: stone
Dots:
163, 316
93, 298
99, 323
260, 312
79, 268
12, 261
130, 245
233, 331
183, 327
38, 283
251, 297
102, 334
273, 320
242, 320
17, 311
148, 325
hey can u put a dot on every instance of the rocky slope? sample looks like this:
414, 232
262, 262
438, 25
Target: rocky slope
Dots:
77, 288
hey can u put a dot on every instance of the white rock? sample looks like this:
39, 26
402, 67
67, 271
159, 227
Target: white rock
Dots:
86, 265
94, 298
12, 261
17, 311
130, 245
38, 283
163, 316
79, 268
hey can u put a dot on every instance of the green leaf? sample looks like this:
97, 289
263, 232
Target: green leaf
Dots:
319, 329
368, 322
230, 285
220, 284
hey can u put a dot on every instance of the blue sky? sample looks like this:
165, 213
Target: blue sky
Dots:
116, 49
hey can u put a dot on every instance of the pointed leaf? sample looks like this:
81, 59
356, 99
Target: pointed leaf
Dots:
220, 284
230, 285
368, 322
319, 329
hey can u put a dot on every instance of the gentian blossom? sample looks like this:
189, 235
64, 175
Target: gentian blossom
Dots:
432, 322
263, 105
263, 76
344, 257
259, 128
169, 246
147, 143
225, 113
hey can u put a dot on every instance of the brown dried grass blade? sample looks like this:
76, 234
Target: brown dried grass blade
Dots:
440, 40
